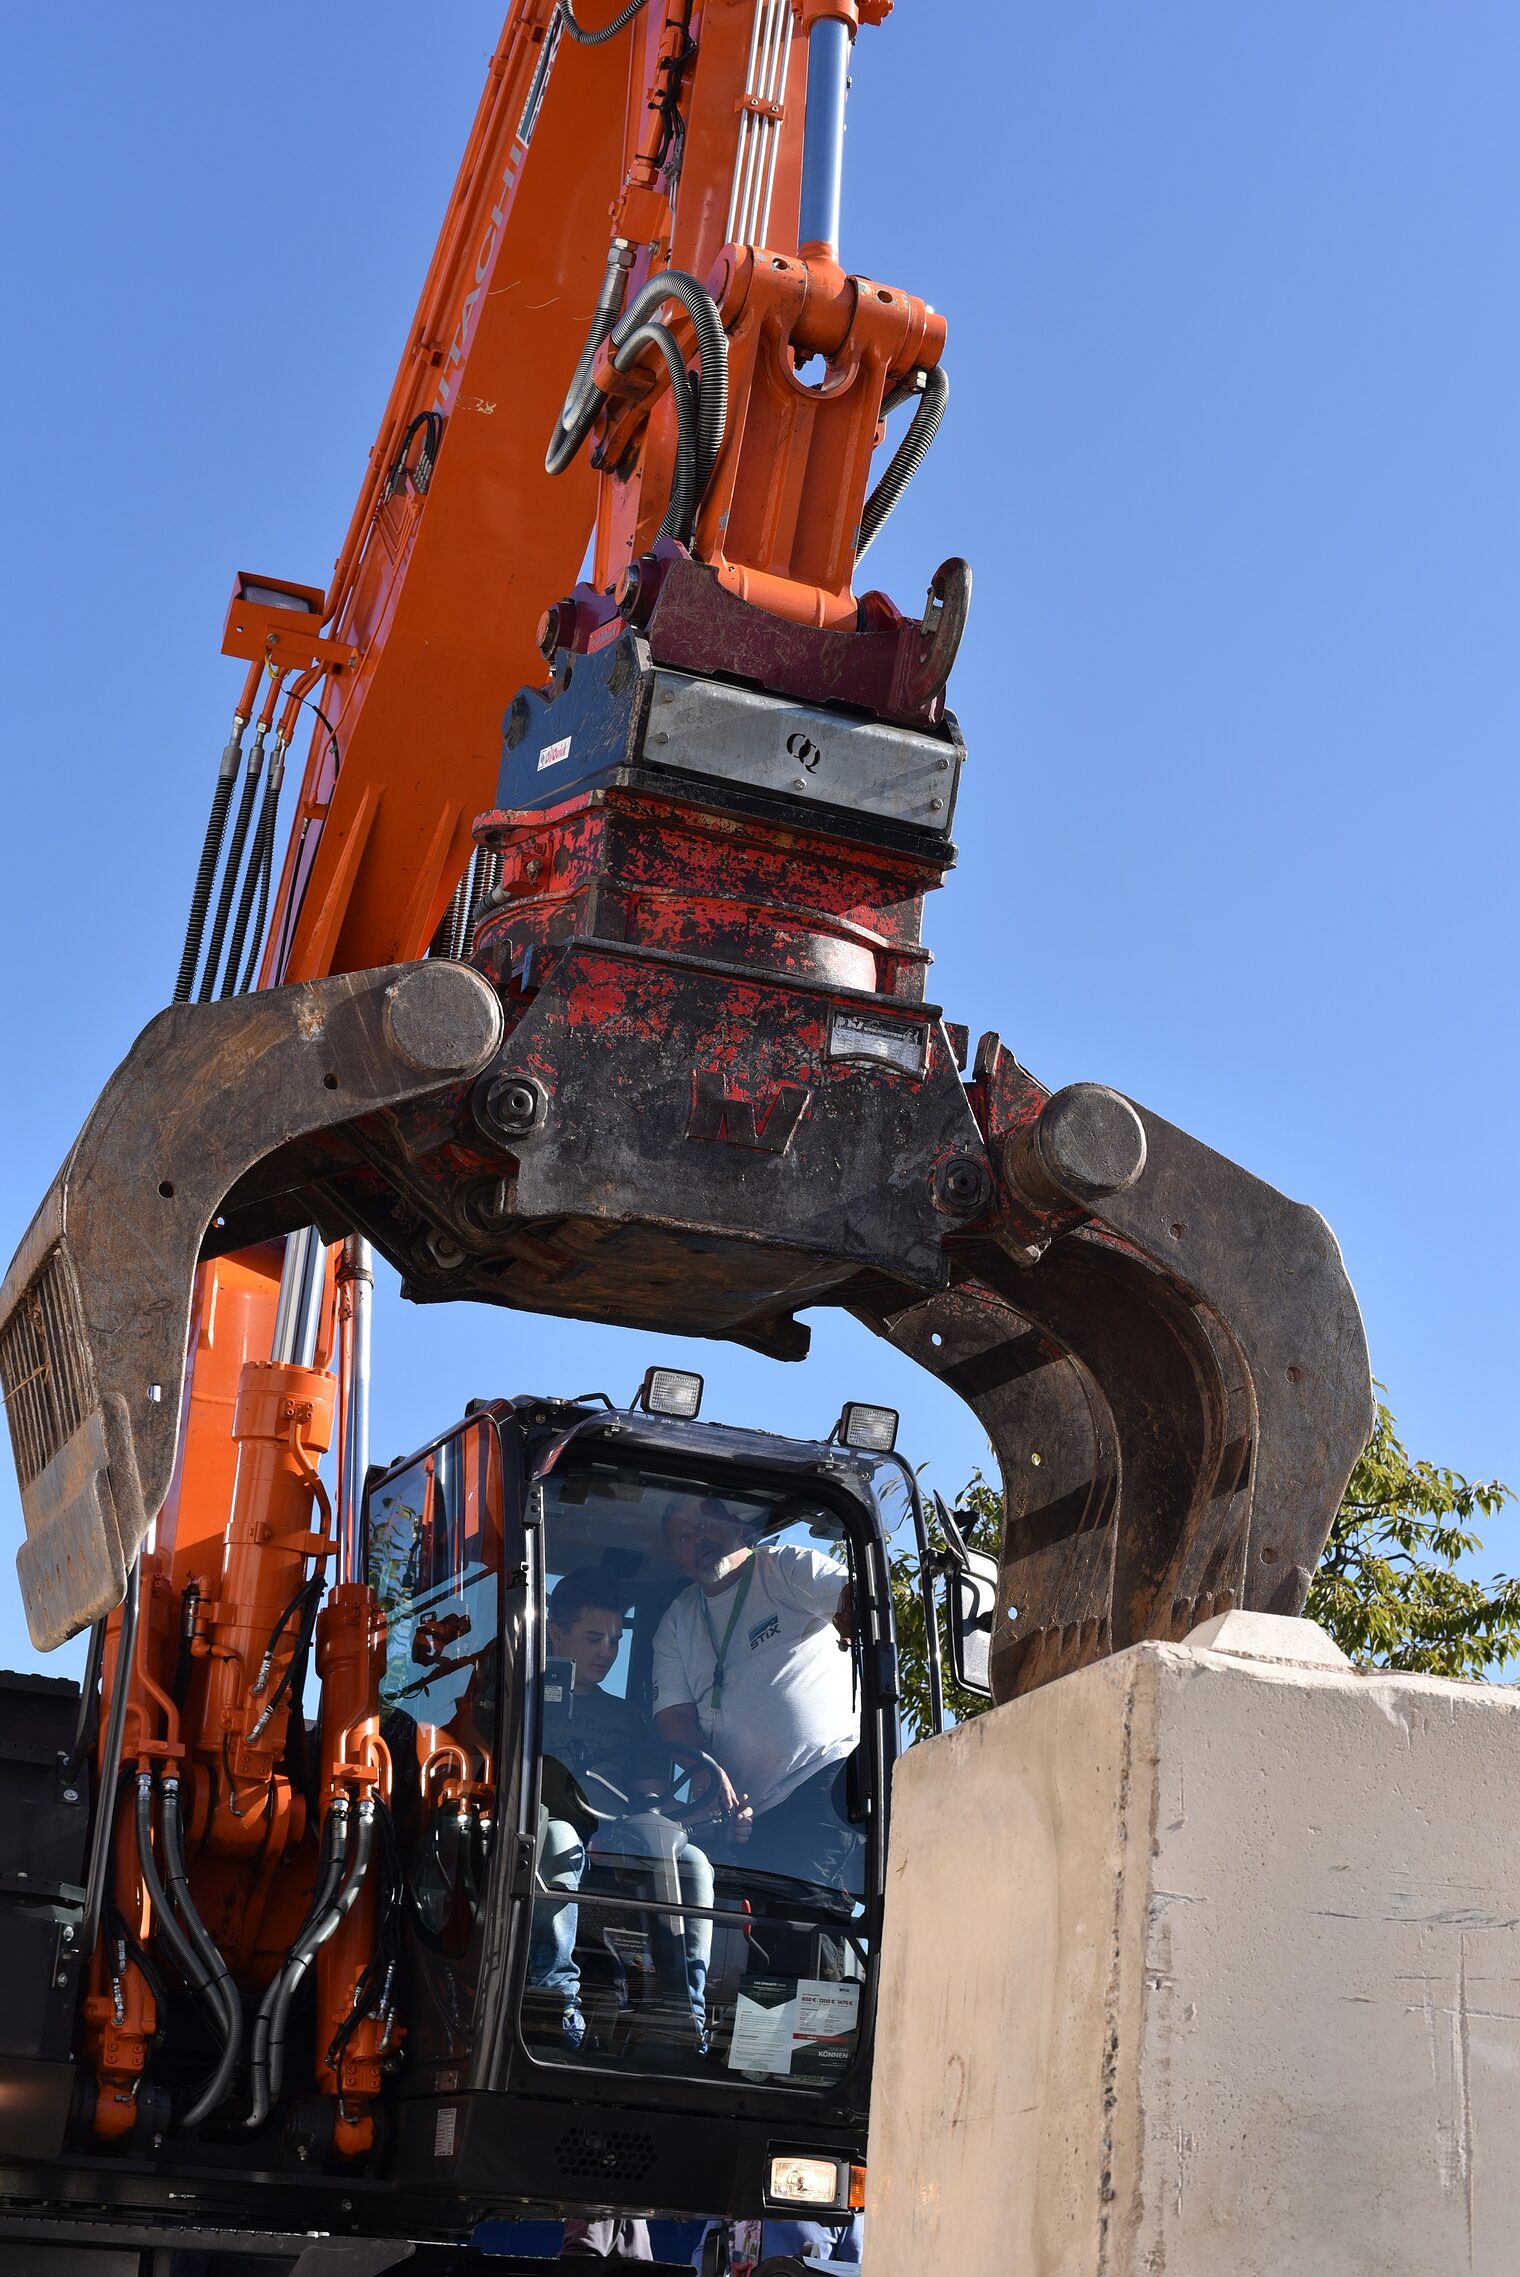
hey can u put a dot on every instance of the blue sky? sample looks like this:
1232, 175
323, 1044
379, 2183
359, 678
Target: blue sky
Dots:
1233, 445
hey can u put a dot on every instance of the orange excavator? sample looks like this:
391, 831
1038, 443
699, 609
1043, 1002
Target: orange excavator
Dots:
612, 1008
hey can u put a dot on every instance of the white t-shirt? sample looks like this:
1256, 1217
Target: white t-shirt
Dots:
787, 1706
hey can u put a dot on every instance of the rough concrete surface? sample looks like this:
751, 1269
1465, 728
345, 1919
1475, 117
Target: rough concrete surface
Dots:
1205, 1963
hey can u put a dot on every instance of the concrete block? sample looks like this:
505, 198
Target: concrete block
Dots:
1205, 1963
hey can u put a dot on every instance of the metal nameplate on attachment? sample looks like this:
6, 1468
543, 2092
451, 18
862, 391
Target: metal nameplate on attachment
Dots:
854, 1036
708, 727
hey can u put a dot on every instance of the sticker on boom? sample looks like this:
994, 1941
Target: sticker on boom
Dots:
552, 753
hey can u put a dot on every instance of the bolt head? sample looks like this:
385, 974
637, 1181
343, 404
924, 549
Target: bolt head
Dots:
444, 1250
962, 1185
508, 1107
515, 1105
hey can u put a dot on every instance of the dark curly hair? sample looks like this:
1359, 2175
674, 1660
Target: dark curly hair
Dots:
575, 1593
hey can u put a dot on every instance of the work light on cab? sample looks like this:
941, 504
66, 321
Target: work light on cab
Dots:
670, 1391
869, 1430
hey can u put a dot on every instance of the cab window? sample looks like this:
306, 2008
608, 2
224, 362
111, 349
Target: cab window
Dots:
700, 1858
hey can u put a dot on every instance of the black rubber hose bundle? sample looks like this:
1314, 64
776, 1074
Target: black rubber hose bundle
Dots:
907, 458
329, 1875
222, 1989
202, 1979
712, 354
211, 847
680, 513
583, 401
630, 332
257, 877
234, 863
625, 15
345, 1866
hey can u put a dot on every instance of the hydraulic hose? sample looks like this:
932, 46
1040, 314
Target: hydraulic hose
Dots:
257, 875
211, 847
681, 511
582, 400
625, 15
712, 354
261, 913
350, 1861
177, 1888
306, 1946
233, 864
907, 458
181, 1951
631, 331
329, 1875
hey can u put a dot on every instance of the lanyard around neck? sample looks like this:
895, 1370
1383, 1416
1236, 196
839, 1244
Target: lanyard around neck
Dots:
720, 1651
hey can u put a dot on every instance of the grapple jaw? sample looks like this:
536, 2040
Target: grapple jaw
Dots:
95, 1309
1170, 1364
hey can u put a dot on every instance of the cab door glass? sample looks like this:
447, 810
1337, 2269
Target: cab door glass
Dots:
434, 1550
701, 1858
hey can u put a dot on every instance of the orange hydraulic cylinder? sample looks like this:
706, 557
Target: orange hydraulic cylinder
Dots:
231, 1322
350, 1663
247, 1634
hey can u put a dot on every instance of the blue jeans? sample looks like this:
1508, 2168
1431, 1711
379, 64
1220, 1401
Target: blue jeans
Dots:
655, 1850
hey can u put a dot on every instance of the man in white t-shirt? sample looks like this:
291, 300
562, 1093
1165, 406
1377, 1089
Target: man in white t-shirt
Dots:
752, 1666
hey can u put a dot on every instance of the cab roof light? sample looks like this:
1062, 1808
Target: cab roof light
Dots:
869, 1430
670, 1391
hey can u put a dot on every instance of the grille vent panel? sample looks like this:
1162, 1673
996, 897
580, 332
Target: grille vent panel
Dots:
612, 2154
45, 1371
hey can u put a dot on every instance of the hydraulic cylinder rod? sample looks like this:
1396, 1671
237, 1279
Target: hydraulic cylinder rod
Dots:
823, 135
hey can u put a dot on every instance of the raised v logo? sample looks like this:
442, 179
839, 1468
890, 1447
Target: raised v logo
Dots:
720, 1114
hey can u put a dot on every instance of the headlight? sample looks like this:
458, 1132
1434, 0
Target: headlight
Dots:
809, 2182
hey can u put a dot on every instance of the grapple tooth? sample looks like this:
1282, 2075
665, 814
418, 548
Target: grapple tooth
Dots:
95, 1309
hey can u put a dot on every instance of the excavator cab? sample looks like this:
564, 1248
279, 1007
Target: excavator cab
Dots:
622, 1988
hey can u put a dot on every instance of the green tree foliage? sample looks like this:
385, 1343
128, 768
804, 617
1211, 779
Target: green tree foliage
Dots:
1392, 1589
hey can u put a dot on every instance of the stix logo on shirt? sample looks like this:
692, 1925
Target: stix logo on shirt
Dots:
763, 1630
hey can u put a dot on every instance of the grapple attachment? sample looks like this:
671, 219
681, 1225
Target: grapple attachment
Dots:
690, 1083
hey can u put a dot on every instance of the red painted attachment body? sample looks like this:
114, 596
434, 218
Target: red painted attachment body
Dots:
664, 873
